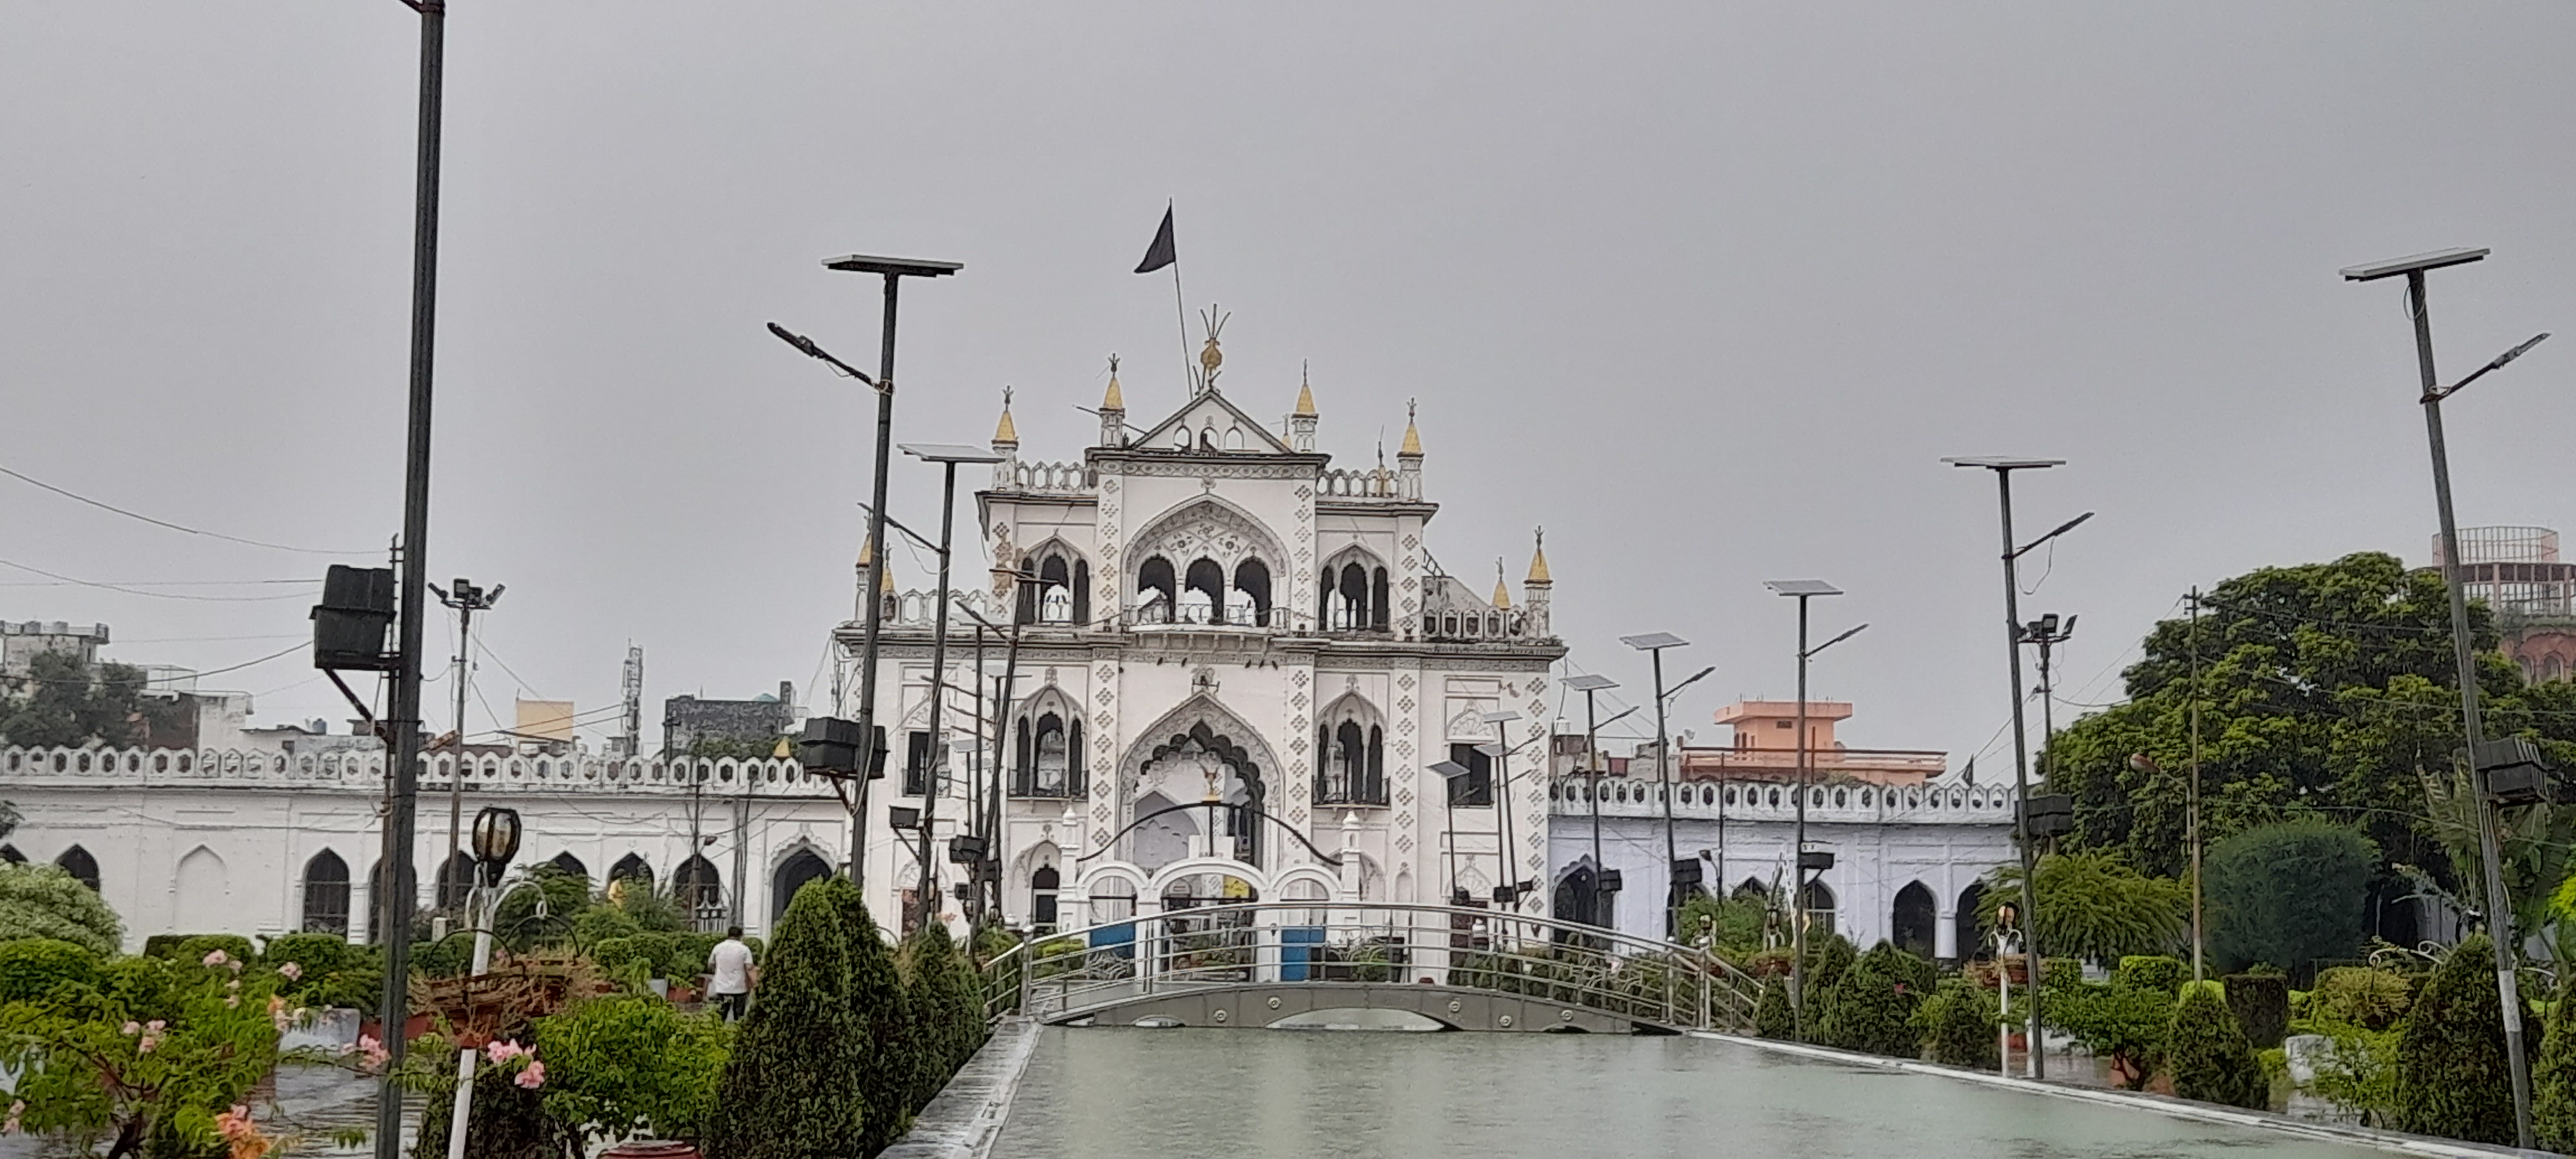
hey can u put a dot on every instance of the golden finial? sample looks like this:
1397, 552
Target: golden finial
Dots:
1305, 394
1113, 400
1210, 355
1502, 595
1005, 431
1412, 434
867, 552
1538, 561
885, 581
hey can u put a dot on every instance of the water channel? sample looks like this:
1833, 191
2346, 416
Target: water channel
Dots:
1104, 1093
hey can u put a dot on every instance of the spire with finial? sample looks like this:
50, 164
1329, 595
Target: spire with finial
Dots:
1502, 594
1538, 588
1412, 434
1113, 411
1006, 433
1301, 422
1538, 560
1211, 356
1408, 458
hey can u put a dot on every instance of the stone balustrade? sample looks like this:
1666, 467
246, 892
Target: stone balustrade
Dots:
1839, 803
364, 770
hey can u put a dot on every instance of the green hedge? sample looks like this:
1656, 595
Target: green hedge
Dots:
192, 947
2153, 972
2211, 1060
30, 968
790, 1088
2360, 996
1959, 1026
2261, 1003
2553, 1081
2452, 1079
1873, 1004
312, 954
1772, 1017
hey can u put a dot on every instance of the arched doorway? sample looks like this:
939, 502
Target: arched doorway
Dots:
1914, 920
1818, 905
631, 868
83, 867
700, 892
1971, 939
801, 867
570, 865
1190, 767
1043, 885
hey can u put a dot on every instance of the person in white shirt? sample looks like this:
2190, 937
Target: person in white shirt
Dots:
730, 972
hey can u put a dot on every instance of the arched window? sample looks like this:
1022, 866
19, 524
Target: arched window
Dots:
1048, 748
631, 868
1819, 907
1351, 609
326, 894
1913, 919
1350, 748
10, 854
569, 865
1252, 589
800, 867
1971, 937
1062, 591
1156, 593
455, 879
1042, 892
83, 867
1234, 438
1207, 581
700, 891
1377, 600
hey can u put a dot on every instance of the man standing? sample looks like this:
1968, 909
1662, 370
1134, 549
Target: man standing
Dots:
730, 970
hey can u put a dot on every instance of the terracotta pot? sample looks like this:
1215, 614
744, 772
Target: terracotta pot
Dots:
413, 1027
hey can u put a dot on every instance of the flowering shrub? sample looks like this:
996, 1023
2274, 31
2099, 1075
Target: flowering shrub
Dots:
151, 1047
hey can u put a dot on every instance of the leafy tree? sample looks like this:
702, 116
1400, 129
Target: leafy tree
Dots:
1960, 1026
600, 923
1828, 959
1772, 1017
790, 1088
2261, 1003
2093, 906
63, 704
1874, 1004
632, 1065
151, 1051
2553, 1080
2452, 1079
1732, 926
30, 968
2289, 893
2360, 996
2325, 689
2211, 1060
45, 901
946, 1003
2125, 1022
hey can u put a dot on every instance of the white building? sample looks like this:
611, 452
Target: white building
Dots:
1236, 664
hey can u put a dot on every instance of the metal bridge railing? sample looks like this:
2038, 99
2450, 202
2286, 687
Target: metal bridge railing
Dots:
1066, 975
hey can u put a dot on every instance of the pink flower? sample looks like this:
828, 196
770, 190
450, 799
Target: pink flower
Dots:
155, 1025
236, 964
533, 1077
501, 1052
133, 1028
231, 1001
16, 1109
291, 972
145, 1046
217, 957
235, 984
373, 1052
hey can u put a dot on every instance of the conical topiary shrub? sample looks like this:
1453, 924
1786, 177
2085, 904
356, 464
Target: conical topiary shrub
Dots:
2452, 1079
2553, 1081
1963, 1020
2208, 1054
946, 1006
1873, 1005
1827, 961
791, 1086
1772, 1017
887, 1034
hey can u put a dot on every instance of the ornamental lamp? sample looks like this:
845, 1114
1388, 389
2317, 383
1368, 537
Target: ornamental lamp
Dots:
496, 841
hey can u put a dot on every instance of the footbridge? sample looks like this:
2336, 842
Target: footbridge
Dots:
1308, 963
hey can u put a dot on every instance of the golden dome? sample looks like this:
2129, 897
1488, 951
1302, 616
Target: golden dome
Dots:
1502, 594
1538, 561
1412, 435
1113, 400
867, 552
1004, 431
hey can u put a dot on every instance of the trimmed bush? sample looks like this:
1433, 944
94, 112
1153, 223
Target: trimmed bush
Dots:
195, 948
2207, 1050
30, 968
1772, 1017
311, 953
2262, 1006
1827, 961
1961, 1026
600, 923
2153, 972
890, 1073
45, 901
2553, 1080
2291, 893
2130, 1025
2452, 1079
790, 1089
1874, 1003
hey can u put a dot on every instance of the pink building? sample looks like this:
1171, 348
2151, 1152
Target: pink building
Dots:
1766, 749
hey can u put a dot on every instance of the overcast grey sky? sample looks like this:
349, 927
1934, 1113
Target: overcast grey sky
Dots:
1708, 290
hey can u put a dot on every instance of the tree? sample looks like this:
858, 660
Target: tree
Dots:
890, 1072
629, 1065
2325, 689
2452, 1079
2126, 1021
2210, 1058
2289, 893
151, 1050
516, 924
65, 705
1874, 1003
945, 1001
2093, 906
1960, 1026
1732, 926
1772, 1017
1828, 959
2553, 1080
45, 901
790, 1088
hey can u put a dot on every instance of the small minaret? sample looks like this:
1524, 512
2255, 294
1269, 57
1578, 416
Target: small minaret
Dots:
1502, 593
1301, 422
1408, 458
868, 581
1537, 588
1113, 411
1006, 443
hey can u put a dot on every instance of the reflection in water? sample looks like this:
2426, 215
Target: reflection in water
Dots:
1104, 1093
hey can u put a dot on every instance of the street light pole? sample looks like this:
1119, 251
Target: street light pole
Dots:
1653, 644
1802, 591
467, 600
403, 714
947, 456
2031, 949
2499, 907
1591, 687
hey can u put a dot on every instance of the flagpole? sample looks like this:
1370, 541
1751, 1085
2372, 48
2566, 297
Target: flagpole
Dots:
1181, 311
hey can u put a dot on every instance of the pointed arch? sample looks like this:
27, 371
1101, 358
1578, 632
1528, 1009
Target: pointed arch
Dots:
1914, 921
1350, 752
1205, 719
570, 865
1969, 936
326, 894
1206, 526
800, 867
631, 867
83, 867
1062, 593
10, 854
203, 888
700, 891
1047, 746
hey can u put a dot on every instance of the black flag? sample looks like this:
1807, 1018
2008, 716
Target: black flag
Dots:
1160, 253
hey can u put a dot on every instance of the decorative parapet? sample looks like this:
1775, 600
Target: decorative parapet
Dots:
1051, 478
364, 771
1373, 483
1758, 801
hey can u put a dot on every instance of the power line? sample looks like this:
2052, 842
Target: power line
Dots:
136, 591
180, 527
